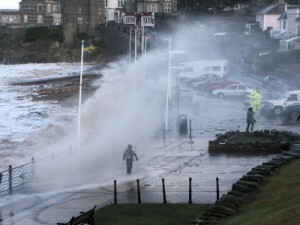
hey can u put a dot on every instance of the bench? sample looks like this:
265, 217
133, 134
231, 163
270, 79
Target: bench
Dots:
84, 218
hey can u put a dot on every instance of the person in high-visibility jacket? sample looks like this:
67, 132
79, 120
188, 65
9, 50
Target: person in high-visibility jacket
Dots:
257, 103
255, 99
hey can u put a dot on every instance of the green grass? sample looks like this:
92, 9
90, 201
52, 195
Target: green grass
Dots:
278, 203
149, 214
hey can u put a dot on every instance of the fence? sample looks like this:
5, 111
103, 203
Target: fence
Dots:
15, 177
162, 195
20, 175
158, 193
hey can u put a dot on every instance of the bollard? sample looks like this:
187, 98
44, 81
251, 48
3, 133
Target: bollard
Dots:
218, 191
138, 191
1, 178
191, 141
10, 179
164, 191
32, 162
115, 192
190, 190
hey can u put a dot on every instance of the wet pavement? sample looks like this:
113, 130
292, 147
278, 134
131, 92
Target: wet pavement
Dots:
175, 160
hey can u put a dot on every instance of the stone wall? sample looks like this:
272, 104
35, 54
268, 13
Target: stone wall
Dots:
264, 141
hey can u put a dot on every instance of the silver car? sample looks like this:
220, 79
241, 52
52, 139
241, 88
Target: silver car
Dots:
233, 90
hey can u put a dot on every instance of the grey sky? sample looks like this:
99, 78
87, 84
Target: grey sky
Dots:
9, 4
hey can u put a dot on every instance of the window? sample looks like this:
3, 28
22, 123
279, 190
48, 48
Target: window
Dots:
167, 7
80, 20
241, 87
40, 8
129, 19
87, 20
284, 24
49, 8
292, 97
151, 7
291, 46
79, 10
39, 18
232, 87
121, 3
25, 18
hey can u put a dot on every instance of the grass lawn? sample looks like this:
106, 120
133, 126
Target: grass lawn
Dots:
278, 203
149, 214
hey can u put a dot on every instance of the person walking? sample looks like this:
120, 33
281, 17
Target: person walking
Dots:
129, 155
250, 120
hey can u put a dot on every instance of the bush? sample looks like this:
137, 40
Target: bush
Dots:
44, 33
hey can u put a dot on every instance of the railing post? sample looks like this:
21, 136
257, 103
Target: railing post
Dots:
32, 162
191, 141
164, 191
10, 187
218, 190
190, 190
115, 192
138, 191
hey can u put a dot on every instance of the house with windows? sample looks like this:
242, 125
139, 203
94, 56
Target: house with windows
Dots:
40, 12
159, 6
282, 21
289, 25
10, 17
267, 18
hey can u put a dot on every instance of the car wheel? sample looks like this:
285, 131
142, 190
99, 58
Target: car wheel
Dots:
221, 95
294, 115
278, 111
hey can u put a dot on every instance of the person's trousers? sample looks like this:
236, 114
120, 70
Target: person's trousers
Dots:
129, 165
249, 125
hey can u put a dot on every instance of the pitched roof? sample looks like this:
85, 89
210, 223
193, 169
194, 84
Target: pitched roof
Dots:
272, 9
283, 16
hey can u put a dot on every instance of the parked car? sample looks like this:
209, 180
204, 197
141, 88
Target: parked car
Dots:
265, 98
233, 90
219, 85
272, 82
199, 79
201, 85
292, 111
276, 107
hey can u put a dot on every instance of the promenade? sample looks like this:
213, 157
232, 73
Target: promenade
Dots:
174, 160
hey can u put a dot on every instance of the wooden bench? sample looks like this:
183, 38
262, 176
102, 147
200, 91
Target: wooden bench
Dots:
83, 218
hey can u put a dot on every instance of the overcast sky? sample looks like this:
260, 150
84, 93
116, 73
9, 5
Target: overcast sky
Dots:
9, 4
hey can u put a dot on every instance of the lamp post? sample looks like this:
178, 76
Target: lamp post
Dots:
79, 102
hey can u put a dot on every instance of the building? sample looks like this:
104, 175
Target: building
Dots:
10, 18
82, 16
158, 6
268, 17
40, 12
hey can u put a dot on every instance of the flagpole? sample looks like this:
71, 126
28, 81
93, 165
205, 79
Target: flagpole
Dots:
168, 94
80, 91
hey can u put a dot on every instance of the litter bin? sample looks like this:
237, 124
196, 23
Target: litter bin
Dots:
183, 126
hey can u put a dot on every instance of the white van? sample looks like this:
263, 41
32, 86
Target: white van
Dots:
195, 69
277, 106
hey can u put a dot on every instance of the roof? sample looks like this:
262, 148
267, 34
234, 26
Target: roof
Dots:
283, 16
272, 9
292, 39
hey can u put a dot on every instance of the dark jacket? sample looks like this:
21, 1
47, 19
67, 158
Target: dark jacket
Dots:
129, 154
250, 116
